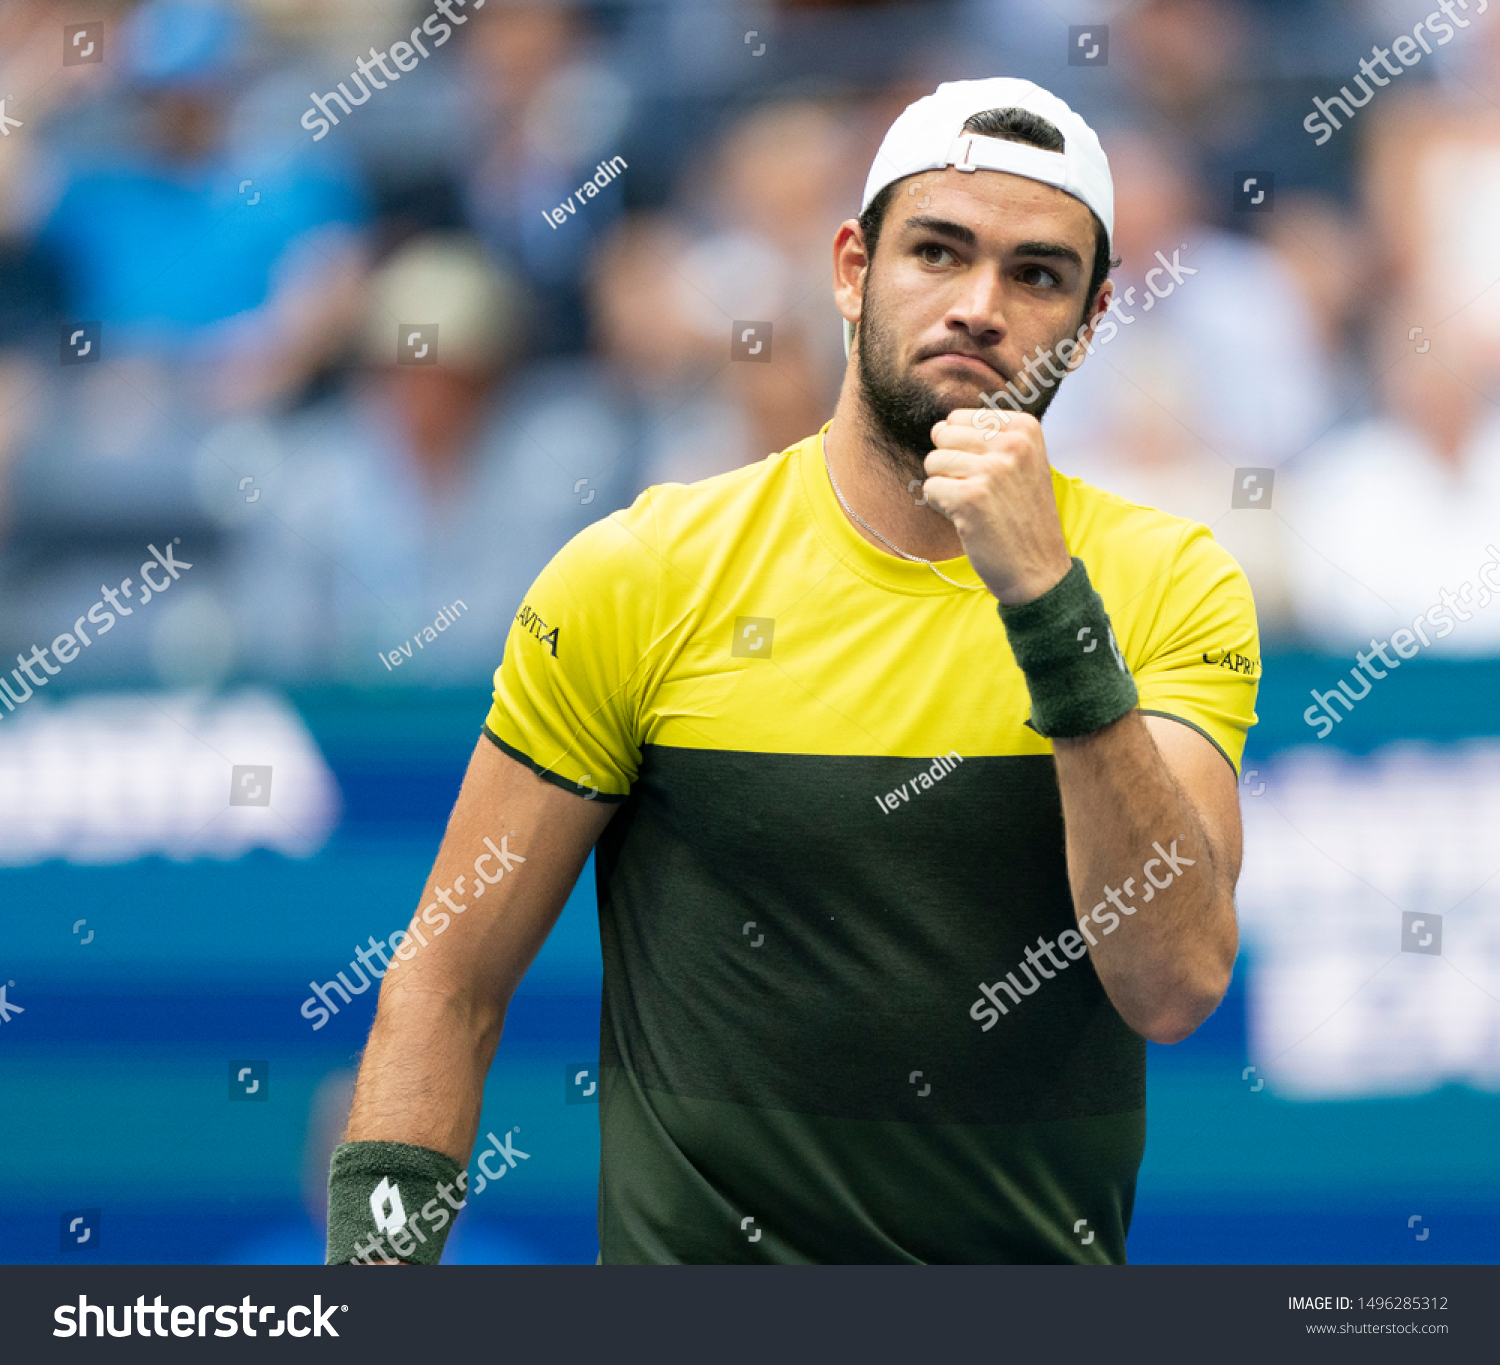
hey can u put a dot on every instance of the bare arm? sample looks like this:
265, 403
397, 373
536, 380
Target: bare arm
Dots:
1140, 782
1166, 954
441, 1013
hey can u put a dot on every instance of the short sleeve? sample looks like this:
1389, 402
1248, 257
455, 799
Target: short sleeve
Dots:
1201, 662
567, 692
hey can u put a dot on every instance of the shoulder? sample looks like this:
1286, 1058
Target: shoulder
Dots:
1140, 555
1095, 520
726, 500
687, 525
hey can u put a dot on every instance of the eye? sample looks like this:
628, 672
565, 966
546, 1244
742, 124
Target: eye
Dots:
934, 253
1039, 276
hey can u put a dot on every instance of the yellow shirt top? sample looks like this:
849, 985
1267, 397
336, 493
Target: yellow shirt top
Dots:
745, 613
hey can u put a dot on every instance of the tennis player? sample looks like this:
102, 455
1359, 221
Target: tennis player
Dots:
911, 767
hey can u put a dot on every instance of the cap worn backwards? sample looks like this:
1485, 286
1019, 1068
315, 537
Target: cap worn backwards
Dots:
928, 135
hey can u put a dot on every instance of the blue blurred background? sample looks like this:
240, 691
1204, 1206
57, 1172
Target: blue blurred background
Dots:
204, 306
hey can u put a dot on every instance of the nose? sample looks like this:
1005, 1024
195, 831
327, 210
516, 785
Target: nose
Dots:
978, 307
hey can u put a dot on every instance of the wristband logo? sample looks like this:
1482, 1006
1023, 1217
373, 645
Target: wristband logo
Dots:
404, 1232
1094, 644
1115, 649
386, 1207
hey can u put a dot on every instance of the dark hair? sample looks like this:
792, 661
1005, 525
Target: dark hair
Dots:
1011, 125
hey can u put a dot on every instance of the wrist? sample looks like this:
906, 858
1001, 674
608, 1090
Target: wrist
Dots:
1075, 673
391, 1203
1039, 585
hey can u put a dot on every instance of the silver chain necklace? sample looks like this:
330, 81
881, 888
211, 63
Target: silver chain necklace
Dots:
916, 559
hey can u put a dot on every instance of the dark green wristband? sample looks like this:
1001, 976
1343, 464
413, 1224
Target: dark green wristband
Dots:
1074, 670
389, 1201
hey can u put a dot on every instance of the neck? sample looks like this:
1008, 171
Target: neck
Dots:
875, 488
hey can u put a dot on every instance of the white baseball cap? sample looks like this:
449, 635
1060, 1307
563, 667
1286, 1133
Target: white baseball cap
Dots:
929, 136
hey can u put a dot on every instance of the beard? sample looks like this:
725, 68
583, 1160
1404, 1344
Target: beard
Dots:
904, 408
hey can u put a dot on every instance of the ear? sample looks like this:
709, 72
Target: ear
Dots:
1086, 332
850, 266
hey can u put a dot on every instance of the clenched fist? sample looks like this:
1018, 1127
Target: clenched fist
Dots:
989, 476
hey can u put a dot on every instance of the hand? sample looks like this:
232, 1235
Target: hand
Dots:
990, 477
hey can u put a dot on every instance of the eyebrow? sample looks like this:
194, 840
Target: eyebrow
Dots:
945, 227
1050, 251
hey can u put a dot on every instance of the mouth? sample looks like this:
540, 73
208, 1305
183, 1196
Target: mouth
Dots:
965, 361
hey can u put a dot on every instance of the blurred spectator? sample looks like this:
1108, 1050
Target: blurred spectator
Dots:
1225, 373
552, 108
771, 192
1232, 81
663, 307
1400, 509
659, 380
172, 241
194, 287
1326, 246
1231, 78
1432, 192
414, 487
1391, 512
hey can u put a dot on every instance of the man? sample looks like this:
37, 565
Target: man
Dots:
860, 742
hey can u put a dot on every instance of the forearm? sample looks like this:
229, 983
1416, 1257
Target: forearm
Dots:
513, 850
1161, 930
422, 1078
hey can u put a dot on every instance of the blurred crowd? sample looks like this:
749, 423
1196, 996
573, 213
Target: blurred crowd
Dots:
258, 300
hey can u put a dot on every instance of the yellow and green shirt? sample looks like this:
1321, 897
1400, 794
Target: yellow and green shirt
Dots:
834, 823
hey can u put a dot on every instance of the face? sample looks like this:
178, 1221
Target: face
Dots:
972, 273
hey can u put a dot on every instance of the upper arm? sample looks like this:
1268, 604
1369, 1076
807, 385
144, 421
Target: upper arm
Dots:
482, 951
1210, 785
1198, 662
558, 755
1198, 671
